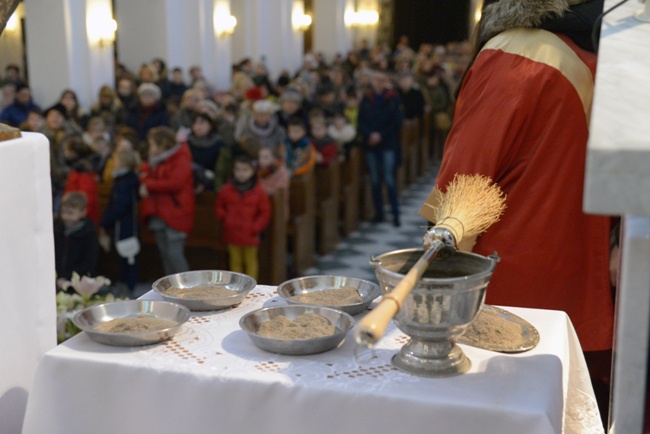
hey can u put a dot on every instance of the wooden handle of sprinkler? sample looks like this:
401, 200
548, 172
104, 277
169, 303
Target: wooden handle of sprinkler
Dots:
373, 326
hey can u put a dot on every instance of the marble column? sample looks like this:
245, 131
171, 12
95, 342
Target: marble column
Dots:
11, 45
181, 33
331, 35
63, 50
265, 33
617, 182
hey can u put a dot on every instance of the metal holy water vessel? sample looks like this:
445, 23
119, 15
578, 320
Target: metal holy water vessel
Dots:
439, 308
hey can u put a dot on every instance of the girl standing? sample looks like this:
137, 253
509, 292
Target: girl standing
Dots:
167, 192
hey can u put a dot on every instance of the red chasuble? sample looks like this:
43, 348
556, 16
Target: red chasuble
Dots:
522, 119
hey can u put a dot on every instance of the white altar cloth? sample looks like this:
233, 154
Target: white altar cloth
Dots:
211, 378
27, 304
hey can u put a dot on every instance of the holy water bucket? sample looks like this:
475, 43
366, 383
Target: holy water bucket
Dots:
439, 308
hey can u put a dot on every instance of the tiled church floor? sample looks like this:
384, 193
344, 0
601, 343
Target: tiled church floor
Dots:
351, 258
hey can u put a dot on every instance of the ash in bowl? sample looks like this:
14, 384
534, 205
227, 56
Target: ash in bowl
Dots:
306, 326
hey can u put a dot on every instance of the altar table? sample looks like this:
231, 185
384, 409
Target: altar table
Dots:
210, 378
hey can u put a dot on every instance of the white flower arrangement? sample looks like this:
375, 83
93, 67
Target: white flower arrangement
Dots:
67, 305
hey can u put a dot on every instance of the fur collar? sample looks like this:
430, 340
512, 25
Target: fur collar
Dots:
509, 14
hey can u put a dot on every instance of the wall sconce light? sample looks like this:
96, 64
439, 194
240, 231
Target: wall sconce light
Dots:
12, 24
224, 24
361, 18
301, 22
101, 26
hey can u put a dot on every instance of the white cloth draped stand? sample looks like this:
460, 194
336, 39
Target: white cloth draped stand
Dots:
27, 296
211, 378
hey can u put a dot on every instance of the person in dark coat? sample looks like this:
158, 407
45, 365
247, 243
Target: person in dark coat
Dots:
210, 155
126, 92
150, 111
17, 113
177, 86
379, 125
75, 239
411, 96
120, 216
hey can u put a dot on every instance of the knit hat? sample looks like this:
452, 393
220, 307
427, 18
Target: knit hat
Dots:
265, 106
150, 89
253, 94
208, 107
291, 95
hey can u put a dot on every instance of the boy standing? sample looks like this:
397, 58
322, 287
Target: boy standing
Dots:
75, 239
245, 210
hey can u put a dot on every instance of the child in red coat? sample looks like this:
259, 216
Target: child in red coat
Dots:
79, 158
245, 210
167, 192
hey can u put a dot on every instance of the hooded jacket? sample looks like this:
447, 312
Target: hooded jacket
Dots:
245, 213
171, 190
522, 118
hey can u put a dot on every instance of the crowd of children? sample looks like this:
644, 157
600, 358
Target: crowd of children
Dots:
153, 142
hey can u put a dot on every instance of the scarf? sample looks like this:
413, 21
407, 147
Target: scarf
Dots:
262, 131
203, 142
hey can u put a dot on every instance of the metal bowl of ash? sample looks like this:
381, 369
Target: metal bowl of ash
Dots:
132, 322
205, 289
344, 293
295, 329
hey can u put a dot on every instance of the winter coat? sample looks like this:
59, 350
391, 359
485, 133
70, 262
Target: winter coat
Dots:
171, 190
16, 113
413, 102
300, 156
122, 206
85, 182
380, 113
244, 214
145, 118
327, 148
76, 251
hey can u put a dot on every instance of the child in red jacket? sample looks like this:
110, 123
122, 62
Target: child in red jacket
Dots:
167, 192
245, 211
327, 149
79, 158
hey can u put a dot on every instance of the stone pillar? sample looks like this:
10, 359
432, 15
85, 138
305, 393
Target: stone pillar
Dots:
137, 44
367, 32
331, 34
11, 44
61, 53
265, 33
218, 49
182, 34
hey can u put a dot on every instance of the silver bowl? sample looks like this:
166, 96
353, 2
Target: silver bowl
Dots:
238, 282
367, 290
93, 316
439, 308
250, 323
